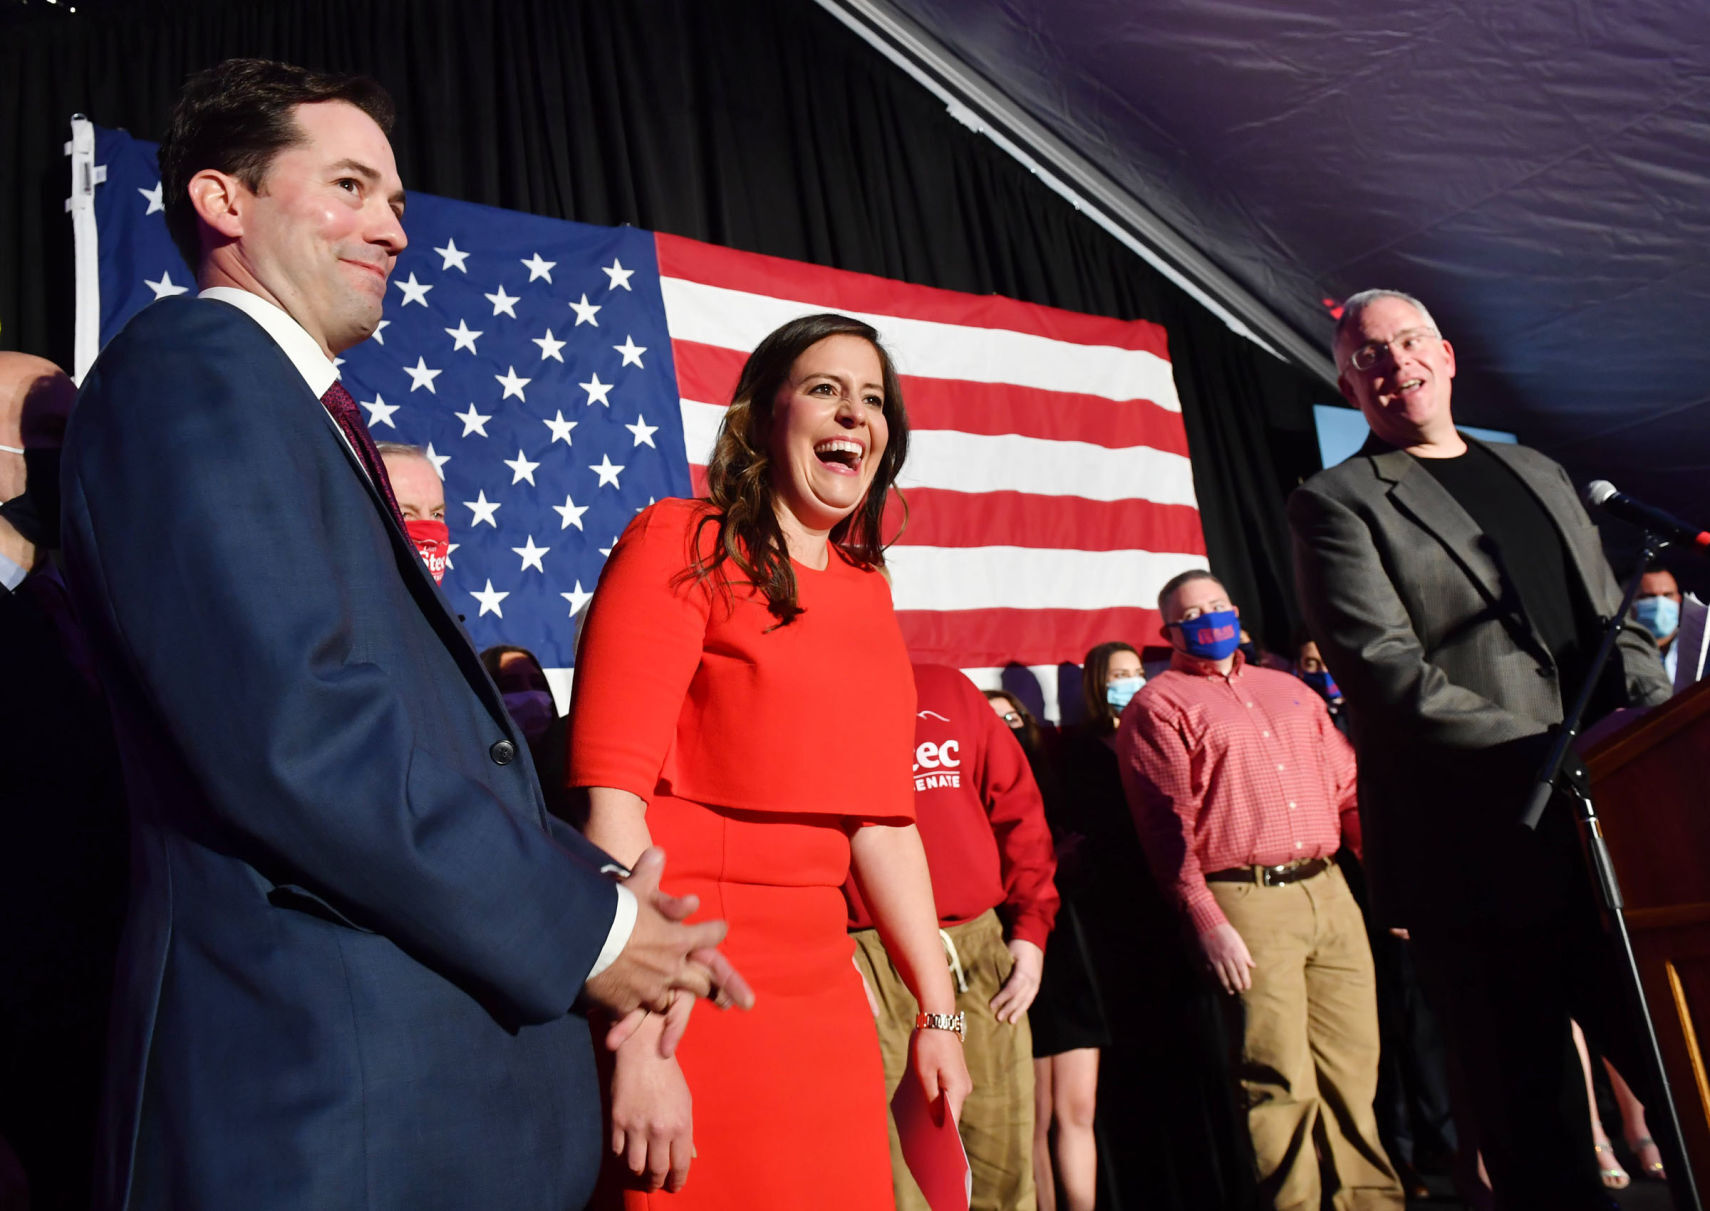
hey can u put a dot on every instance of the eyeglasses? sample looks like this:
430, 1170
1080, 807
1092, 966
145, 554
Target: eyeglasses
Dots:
1411, 341
1011, 718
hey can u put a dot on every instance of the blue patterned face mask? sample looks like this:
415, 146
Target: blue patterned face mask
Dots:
1211, 636
1658, 615
1120, 691
1324, 683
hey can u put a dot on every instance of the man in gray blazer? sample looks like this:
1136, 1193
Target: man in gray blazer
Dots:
1456, 590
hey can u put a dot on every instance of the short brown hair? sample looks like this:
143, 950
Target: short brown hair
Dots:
1178, 580
234, 118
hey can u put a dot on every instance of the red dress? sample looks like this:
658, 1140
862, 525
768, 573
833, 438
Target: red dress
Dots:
759, 750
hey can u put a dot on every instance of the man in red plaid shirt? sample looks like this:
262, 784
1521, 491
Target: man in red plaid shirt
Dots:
1242, 792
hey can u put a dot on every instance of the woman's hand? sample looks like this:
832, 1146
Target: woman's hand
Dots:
943, 1068
652, 1112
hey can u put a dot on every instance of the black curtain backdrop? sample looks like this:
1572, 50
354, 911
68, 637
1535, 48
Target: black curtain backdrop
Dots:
759, 124
763, 125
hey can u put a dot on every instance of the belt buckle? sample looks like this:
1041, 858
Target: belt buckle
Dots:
1270, 876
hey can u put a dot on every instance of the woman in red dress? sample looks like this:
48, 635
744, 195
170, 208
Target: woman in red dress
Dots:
743, 700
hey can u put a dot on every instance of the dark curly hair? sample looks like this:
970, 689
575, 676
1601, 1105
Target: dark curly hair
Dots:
739, 474
234, 118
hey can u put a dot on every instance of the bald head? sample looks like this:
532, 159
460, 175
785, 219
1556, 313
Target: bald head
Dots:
35, 398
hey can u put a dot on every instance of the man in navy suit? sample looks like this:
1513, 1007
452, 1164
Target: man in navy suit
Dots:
355, 937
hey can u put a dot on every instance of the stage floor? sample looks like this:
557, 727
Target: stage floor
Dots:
1640, 1196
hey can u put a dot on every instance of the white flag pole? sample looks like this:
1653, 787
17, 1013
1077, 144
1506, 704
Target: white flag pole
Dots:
85, 176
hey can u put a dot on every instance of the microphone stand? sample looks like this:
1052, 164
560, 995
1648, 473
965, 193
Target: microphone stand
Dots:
1554, 776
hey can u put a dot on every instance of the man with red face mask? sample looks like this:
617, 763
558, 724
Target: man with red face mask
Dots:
421, 499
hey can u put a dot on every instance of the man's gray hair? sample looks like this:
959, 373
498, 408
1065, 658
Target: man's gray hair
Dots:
401, 448
1354, 304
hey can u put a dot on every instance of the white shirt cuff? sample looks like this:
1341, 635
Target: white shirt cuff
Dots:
623, 924
11, 574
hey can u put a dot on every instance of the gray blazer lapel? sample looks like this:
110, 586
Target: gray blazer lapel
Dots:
1421, 497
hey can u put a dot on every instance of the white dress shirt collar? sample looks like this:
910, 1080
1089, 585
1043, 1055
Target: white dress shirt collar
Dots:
286, 332
11, 573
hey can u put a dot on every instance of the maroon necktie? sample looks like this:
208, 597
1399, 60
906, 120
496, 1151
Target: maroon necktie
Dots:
342, 408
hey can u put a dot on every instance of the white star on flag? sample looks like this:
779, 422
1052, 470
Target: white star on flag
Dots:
597, 391
473, 421
421, 376
521, 468
165, 288
449, 548
643, 431
438, 461
452, 256
576, 598
154, 200
482, 510
538, 268
607, 471
531, 556
606, 551
512, 384
464, 335
618, 274
631, 351
380, 412
414, 291
571, 512
560, 427
548, 347
585, 312
380, 332
489, 599
503, 302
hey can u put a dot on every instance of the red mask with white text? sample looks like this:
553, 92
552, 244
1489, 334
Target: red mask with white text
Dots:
432, 539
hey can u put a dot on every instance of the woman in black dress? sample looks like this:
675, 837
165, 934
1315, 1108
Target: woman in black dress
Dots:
1066, 1017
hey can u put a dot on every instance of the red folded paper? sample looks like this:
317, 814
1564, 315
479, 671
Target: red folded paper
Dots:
930, 1144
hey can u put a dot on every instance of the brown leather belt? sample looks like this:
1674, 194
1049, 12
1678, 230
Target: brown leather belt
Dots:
1271, 876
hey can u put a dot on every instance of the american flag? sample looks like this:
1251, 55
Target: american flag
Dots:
563, 375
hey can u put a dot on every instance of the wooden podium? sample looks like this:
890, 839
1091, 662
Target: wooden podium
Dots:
1651, 784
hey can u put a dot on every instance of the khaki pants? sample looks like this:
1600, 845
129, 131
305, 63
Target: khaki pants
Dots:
1308, 1052
997, 1120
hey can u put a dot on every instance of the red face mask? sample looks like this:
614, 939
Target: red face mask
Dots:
431, 538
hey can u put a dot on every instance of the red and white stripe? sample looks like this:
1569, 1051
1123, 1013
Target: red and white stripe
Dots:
1048, 483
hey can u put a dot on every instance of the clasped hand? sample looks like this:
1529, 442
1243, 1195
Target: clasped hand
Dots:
665, 957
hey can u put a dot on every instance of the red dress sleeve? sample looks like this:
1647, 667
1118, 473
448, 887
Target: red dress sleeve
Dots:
640, 646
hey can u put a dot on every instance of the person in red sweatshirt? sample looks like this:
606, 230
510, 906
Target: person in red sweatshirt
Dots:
989, 850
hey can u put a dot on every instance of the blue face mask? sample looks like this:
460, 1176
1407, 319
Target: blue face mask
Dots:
1324, 683
1658, 615
1211, 636
1119, 692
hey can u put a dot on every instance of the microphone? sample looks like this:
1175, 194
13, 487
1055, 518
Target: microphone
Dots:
1601, 494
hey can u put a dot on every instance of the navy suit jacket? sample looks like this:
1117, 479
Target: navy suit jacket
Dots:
354, 935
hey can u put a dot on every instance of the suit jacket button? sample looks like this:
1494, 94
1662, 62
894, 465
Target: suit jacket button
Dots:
503, 752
